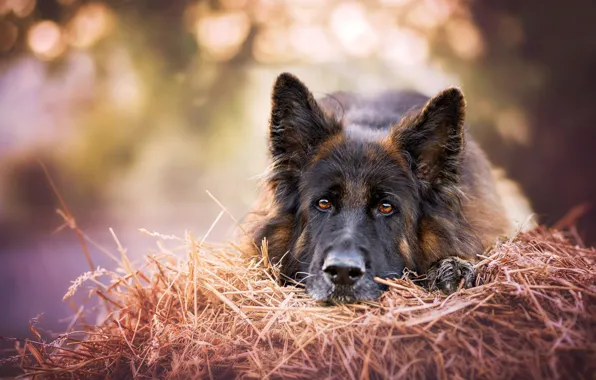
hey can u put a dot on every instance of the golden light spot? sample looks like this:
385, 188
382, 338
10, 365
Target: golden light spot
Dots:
396, 2
222, 35
352, 28
312, 42
405, 46
513, 126
272, 45
233, 4
22, 8
269, 12
429, 14
484, 108
464, 39
306, 11
124, 84
190, 16
46, 40
310, 3
91, 23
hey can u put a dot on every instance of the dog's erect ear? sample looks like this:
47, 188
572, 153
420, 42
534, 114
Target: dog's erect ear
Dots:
433, 139
297, 124
297, 127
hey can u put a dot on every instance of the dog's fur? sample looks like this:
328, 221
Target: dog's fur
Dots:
398, 148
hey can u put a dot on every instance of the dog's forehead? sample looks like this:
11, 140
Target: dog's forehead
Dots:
356, 165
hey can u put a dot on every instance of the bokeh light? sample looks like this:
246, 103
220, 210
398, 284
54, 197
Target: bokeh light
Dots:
222, 35
91, 23
513, 126
272, 45
312, 43
429, 15
352, 28
464, 39
405, 46
21, 8
46, 40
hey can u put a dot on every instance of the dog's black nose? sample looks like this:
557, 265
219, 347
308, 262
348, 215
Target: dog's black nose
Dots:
344, 268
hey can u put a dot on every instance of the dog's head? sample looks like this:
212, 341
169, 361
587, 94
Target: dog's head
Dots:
349, 199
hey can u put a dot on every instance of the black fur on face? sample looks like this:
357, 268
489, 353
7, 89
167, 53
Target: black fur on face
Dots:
356, 178
354, 202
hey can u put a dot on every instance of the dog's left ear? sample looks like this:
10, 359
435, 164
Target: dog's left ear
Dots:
433, 139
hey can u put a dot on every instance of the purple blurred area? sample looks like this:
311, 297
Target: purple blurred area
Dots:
138, 108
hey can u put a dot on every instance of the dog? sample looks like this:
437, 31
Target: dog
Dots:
364, 187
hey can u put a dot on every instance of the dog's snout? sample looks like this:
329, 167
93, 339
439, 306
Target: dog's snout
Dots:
344, 267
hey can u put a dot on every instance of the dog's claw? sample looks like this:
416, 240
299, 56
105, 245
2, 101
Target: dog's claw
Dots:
448, 274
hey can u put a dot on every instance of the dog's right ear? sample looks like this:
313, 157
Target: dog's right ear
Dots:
433, 139
297, 127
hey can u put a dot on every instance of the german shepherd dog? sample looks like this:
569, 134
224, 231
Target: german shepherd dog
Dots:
365, 187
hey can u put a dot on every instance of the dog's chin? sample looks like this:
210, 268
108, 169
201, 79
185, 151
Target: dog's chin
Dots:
321, 290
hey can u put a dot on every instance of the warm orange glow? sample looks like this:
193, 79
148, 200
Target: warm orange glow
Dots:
307, 11
272, 46
190, 16
405, 46
222, 35
350, 24
395, 2
21, 8
124, 86
91, 23
268, 12
513, 126
46, 40
429, 14
484, 108
233, 4
464, 38
312, 42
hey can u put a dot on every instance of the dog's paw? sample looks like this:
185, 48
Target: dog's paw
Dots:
448, 274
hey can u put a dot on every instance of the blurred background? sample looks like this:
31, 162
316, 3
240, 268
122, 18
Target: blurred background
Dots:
137, 107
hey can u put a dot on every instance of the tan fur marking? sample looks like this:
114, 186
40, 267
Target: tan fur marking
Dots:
430, 247
392, 149
327, 147
404, 249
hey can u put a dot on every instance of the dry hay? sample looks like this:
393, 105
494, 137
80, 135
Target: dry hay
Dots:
217, 313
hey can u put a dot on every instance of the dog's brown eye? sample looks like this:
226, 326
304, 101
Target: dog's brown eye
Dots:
324, 204
385, 208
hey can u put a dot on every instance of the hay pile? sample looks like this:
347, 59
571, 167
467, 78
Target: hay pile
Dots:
217, 313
